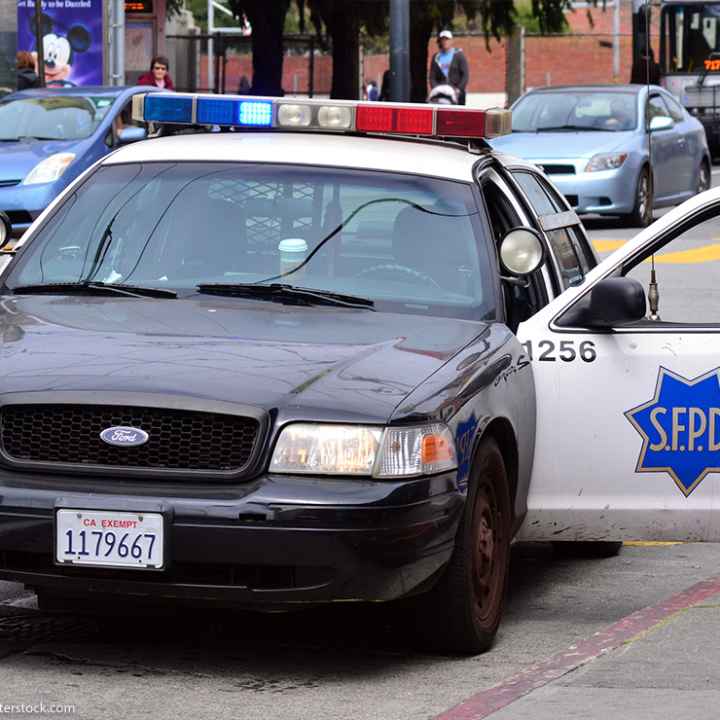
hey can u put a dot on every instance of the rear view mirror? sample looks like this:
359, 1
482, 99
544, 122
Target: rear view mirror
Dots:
130, 135
612, 302
5, 230
521, 251
661, 123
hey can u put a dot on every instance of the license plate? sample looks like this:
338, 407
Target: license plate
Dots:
107, 538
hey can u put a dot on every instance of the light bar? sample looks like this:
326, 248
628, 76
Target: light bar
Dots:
376, 118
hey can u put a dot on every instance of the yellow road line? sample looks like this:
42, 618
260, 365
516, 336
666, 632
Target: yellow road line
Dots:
651, 543
693, 256
607, 245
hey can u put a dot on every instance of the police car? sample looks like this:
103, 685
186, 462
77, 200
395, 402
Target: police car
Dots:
278, 366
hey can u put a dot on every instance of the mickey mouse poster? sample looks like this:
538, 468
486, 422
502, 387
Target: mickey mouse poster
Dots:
72, 40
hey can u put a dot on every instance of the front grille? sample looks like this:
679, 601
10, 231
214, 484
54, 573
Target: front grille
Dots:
9, 183
178, 439
559, 169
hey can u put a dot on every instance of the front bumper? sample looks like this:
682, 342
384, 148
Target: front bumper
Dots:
608, 192
23, 203
278, 541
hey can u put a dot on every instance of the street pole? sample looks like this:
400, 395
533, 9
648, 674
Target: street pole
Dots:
616, 40
40, 43
211, 46
400, 50
118, 43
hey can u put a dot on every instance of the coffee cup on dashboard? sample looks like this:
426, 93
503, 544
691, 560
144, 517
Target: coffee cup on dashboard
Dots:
292, 253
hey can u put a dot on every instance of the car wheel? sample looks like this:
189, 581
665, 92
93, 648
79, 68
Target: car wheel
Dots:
587, 549
461, 614
642, 214
704, 177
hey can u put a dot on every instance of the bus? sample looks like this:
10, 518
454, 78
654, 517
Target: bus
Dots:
689, 57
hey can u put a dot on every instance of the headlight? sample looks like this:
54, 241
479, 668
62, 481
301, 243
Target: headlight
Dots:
606, 161
49, 169
310, 448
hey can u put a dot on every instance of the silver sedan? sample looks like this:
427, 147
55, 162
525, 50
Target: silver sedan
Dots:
612, 149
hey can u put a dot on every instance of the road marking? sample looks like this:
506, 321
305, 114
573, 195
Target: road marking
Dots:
607, 245
626, 630
693, 256
652, 543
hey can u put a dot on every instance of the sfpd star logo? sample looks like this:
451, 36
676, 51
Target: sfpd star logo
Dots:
680, 428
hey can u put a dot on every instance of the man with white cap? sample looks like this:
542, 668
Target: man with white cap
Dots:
449, 66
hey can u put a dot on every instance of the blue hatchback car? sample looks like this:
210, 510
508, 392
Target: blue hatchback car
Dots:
49, 136
612, 149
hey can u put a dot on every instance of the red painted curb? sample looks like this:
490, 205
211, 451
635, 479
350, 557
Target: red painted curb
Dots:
493, 699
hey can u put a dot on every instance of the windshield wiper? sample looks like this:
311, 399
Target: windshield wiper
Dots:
281, 291
94, 288
555, 128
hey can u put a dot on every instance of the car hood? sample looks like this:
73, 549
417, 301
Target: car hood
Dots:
561, 145
328, 362
17, 159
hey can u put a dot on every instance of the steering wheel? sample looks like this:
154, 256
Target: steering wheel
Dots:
396, 269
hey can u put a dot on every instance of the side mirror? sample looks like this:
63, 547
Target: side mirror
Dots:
613, 301
130, 135
663, 122
5, 230
522, 251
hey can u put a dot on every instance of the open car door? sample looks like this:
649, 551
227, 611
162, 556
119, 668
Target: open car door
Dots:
628, 391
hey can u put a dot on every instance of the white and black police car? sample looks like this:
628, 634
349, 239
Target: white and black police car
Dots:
297, 362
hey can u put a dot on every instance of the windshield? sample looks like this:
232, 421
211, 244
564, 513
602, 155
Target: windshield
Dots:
691, 38
411, 244
61, 117
565, 110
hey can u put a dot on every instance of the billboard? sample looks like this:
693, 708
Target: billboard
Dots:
72, 37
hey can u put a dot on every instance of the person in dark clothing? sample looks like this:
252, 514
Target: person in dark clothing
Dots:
27, 77
449, 66
158, 75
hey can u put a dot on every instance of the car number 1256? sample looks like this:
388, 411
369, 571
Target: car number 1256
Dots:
109, 538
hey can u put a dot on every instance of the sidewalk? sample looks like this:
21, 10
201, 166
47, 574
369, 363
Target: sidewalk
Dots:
660, 662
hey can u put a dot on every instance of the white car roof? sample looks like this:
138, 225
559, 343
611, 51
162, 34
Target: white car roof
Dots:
342, 151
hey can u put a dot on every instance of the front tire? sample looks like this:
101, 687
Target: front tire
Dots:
461, 614
704, 179
642, 214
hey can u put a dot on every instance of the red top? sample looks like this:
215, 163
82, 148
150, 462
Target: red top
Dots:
149, 79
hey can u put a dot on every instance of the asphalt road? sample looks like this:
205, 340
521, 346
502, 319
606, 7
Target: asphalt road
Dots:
362, 663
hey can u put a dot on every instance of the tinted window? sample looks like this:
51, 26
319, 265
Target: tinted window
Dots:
60, 117
570, 261
676, 112
539, 199
410, 243
565, 110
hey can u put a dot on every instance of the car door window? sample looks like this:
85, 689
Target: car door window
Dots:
558, 222
676, 111
521, 302
686, 271
656, 107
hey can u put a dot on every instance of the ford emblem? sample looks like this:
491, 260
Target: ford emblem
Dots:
122, 436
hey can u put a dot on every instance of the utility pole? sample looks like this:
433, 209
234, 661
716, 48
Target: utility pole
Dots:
117, 75
400, 50
40, 44
616, 40
211, 46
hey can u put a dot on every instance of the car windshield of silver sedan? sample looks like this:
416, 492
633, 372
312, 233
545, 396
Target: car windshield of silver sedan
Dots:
392, 242
59, 117
566, 110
